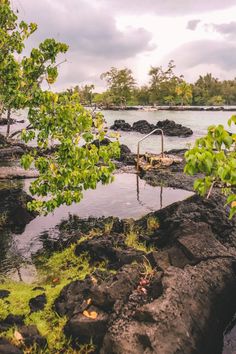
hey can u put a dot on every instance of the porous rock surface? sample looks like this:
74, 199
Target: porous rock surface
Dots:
180, 305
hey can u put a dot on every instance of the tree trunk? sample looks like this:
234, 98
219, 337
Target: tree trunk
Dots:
8, 121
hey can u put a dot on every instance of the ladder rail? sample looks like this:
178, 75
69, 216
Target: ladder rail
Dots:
145, 137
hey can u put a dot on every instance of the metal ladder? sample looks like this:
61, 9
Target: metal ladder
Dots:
145, 137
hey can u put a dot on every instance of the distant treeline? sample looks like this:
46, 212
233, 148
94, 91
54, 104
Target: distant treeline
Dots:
164, 88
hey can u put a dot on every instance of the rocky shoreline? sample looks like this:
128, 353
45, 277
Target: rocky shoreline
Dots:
172, 108
165, 283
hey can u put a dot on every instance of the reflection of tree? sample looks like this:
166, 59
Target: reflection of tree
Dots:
11, 258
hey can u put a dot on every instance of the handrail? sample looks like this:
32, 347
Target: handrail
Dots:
145, 137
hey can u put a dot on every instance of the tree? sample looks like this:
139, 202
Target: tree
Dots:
20, 79
184, 93
214, 156
163, 84
205, 88
85, 93
120, 84
75, 164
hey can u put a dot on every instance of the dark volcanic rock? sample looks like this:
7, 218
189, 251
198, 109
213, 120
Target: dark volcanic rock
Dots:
13, 208
72, 297
143, 127
37, 303
10, 321
4, 294
110, 248
32, 337
7, 348
81, 328
176, 322
120, 124
10, 152
170, 128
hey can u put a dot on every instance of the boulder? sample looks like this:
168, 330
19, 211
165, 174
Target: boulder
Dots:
120, 124
7, 348
38, 303
143, 127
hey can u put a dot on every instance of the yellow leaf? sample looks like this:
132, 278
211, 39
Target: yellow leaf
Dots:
233, 204
93, 315
89, 301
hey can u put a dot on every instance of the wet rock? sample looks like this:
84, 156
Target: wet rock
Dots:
120, 124
81, 328
72, 297
32, 337
143, 127
7, 348
38, 303
115, 289
7, 153
110, 248
170, 128
4, 294
10, 321
13, 209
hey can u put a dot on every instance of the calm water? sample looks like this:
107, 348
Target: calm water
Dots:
120, 199
197, 121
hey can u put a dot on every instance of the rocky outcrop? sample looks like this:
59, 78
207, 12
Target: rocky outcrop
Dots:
120, 124
175, 298
169, 127
13, 209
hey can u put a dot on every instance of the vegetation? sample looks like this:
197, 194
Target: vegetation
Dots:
164, 88
214, 156
75, 164
120, 84
55, 273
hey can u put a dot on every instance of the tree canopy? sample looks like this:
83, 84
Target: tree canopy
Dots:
57, 121
214, 156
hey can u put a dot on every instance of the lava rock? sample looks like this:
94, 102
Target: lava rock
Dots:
4, 294
170, 128
7, 348
120, 124
32, 337
72, 297
13, 205
81, 328
37, 303
143, 127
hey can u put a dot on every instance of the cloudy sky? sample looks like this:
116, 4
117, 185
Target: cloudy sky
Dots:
199, 35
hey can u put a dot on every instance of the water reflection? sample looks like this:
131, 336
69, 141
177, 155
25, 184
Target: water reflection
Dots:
127, 197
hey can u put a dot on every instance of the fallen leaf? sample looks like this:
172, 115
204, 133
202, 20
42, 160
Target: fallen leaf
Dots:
93, 315
233, 204
89, 301
18, 336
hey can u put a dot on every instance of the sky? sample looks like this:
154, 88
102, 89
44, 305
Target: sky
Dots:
199, 35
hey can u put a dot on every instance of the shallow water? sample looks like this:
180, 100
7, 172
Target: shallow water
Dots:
198, 121
123, 198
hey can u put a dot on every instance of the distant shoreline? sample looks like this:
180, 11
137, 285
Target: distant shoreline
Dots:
172, 108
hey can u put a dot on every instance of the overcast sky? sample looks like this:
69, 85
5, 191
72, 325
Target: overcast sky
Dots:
199, 35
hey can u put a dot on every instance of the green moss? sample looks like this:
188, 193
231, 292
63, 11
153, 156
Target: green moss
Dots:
131, 240
152, 224
54, 274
